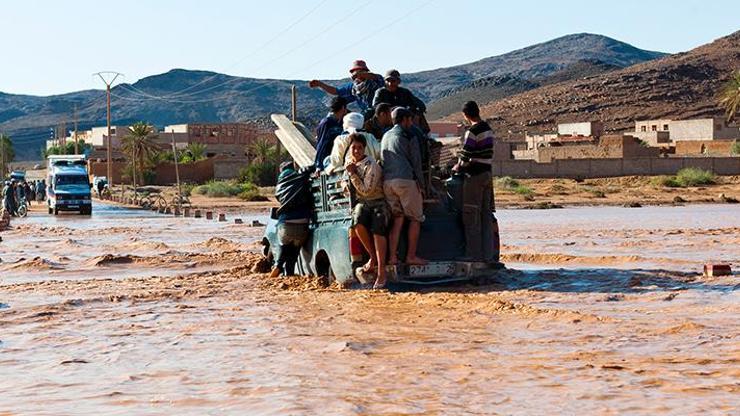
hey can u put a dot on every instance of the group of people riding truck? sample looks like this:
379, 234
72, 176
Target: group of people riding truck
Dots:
379, 150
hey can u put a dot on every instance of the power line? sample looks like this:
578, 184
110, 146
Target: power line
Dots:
254, 52
265, 64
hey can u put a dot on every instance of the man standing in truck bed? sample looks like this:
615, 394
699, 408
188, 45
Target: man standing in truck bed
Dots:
404, 181
474, 163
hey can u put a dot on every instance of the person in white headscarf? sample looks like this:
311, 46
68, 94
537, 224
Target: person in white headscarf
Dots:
352, 123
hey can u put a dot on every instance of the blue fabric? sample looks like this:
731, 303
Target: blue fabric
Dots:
361, 93
329, 128
345, 91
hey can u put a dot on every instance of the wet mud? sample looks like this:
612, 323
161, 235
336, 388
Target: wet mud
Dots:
598, 314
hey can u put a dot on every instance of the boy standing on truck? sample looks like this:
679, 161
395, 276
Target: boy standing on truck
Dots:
404, 180
474, 163
381, 121
370, 214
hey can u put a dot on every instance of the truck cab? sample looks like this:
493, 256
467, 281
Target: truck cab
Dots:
68, 184
331, 252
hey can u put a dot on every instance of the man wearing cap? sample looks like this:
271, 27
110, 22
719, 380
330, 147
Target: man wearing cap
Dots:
401, 155
361, 90
397, 96
353, 123
329, 128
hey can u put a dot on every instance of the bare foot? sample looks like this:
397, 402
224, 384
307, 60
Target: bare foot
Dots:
416, 261
275, 272
379, 284
369, 267
393, 261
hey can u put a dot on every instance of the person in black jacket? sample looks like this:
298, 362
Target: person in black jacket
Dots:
294, 194
397, 96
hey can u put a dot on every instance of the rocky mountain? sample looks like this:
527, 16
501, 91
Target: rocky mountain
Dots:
180, 96
679, 86
492, 88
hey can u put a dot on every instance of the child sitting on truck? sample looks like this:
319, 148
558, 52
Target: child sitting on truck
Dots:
370, 215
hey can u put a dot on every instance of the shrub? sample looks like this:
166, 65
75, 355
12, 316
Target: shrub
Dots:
187, 189
219, 189
524, 191
262, 174
669, 181
694, 176
250, 192
507, 182
736, 148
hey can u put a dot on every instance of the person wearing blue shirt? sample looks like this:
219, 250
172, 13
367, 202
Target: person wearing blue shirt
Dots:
360, 91
329, 128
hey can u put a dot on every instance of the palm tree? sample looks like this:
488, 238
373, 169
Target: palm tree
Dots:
730, 96
140, 144
7, 153
197, 151
261, 151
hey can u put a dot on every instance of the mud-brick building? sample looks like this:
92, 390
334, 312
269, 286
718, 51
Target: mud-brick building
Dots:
220, 139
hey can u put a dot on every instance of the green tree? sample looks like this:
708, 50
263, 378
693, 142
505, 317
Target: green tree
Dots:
67, 149
6, 148
193, 152
730, 96
139, 145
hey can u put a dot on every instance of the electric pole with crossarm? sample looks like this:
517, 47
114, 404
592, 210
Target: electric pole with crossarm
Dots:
112, 75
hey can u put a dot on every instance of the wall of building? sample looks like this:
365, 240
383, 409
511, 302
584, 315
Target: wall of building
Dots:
228, 168
653, 138
652, 125
599, 168
198, 172
705, 147
589, 128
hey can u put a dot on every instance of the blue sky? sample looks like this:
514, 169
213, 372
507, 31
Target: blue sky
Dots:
51, 47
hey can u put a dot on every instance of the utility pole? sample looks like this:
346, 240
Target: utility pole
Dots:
109, 144
177, 172
2, 156
74, 115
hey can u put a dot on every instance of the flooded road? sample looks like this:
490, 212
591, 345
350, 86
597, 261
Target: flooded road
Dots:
129, 312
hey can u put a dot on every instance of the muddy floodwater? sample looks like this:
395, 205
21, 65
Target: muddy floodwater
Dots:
603, 311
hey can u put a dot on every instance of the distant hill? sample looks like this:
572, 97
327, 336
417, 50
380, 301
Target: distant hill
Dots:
679, 86
213, 97
492, 88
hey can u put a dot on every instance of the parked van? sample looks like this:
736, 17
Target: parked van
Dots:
330, 252
68, 184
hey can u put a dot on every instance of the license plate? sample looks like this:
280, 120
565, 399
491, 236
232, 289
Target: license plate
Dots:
73, 206
433, 270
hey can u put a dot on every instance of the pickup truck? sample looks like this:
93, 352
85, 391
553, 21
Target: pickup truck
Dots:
330, 252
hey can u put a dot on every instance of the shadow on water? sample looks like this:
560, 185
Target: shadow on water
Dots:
587, 280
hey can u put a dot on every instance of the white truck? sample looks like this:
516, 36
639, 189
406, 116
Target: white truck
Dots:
68, 184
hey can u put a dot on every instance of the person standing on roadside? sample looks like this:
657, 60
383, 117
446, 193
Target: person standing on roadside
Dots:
474, 164
404, 181
361, 90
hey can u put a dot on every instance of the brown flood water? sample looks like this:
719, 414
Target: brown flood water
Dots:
605, 313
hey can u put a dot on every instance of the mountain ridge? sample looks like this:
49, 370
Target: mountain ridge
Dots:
208, 96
